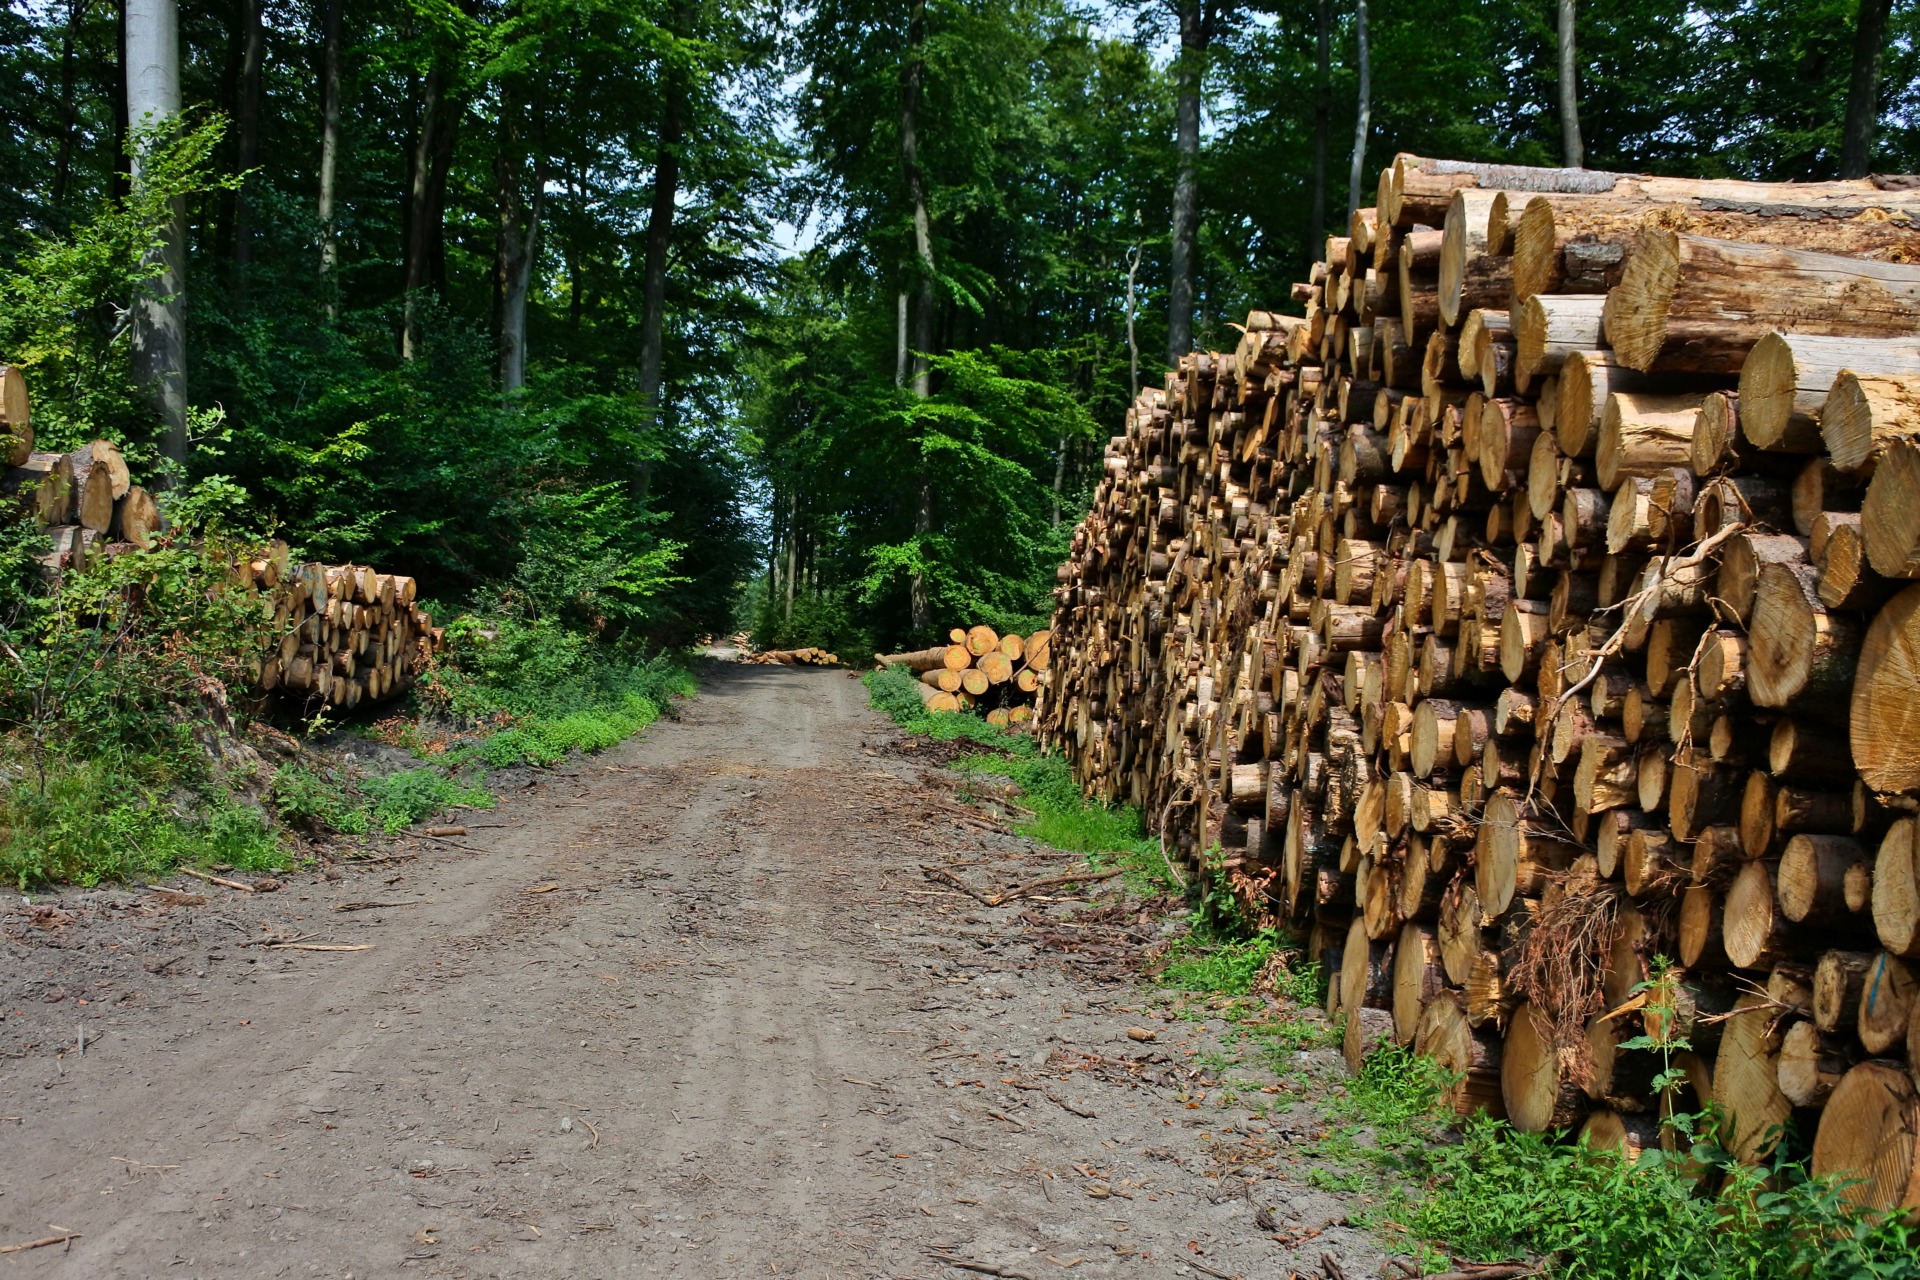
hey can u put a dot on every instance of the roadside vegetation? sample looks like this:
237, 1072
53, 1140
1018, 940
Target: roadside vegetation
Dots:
1435, 1185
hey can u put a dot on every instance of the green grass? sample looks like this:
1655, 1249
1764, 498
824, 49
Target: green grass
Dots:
95, 822
1226, 968
1062, 817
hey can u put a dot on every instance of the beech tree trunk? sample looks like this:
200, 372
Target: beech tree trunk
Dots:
1572, 152
1863, 88
1189, 67
247, 138
666, 188
423, 206
1322, 122
1364, 113
329, 149
517, 242
152, 57
919, 607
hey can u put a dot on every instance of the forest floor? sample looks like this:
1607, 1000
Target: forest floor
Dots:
687, 1008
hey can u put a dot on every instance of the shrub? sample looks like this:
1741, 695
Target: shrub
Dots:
404, 798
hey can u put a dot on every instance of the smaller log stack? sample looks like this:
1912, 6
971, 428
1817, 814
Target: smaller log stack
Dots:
1544, 600
347, 634
85, 500
809, 657
980, 668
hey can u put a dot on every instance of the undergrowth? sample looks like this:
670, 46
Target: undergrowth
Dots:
1060, 815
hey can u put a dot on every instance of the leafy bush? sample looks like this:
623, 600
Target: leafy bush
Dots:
304, 798
1226, 968
404, 798
95, 821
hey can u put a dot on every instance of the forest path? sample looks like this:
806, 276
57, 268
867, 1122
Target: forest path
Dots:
689, 1008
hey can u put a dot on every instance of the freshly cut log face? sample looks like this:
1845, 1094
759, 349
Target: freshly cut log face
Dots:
1870, 1130
1468, 1057
1537, 1094
1746, 1080
1890, 517
1787, 377
1896, 889
1865, 413
1690, 304
1884, 724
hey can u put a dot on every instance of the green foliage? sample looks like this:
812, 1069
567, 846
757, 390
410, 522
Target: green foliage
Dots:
403, 798
61, 300
1499, 1193
1062, 816
1224, 968
310, 800
550, 690
102, 819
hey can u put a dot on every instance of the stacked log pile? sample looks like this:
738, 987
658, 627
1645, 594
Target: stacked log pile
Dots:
1535, 605
808, 657
980, 668
345, 634
85, 500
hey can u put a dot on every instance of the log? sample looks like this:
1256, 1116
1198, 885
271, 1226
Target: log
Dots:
1469, 1058
1691, 304
1864, 413
1884, 714
1800, 652
1870, 1131
1746, 1081
1890, 516
1812, 1063
1538, 1095
1787, 377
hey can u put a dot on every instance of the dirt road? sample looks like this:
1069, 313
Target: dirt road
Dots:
690, 1008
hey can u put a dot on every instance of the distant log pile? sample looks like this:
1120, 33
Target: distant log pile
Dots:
1535, 605
791, 658
980, 668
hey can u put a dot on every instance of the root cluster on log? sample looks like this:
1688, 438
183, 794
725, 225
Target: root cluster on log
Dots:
1534, 605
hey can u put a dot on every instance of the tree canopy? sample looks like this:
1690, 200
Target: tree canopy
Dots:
632, 310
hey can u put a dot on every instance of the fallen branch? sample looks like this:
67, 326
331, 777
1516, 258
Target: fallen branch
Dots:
316, 946
44, 1241
223, 883
984, 1268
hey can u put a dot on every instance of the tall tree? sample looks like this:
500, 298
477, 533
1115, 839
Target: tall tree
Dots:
1196, 19
428, 163
152, 57
1363, 115
912, 73
517, 235
1573, 153
253, 46
329, 153
666, 188
1863, 88
1322, 117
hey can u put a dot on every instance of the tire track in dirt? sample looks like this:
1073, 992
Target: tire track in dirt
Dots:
694, 1013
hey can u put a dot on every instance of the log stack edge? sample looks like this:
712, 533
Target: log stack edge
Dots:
1540, 602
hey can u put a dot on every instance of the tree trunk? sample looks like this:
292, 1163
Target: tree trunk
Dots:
666, 188
1322, 123
517, 241
1133, 342
63, 159
1189, 66
421, 208
911, 76
1573, 152
247, 137
900, 341
152, 54
1363, 116
329, 149
1863, 88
